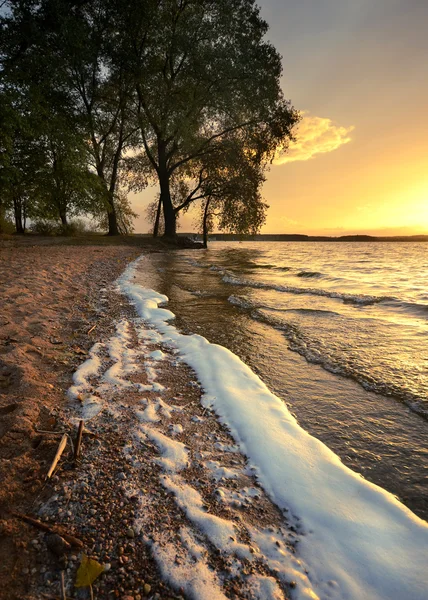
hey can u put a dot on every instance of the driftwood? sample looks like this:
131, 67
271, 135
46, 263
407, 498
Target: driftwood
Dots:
78, 441
92, 329
73, 541
60, 450
63, 596
49, 432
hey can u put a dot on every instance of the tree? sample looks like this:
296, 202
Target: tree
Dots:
66, 187
202, 70
74, 43
227, 188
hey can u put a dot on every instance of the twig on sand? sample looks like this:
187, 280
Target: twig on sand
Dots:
73, 541
63, 596
60, 450
78, 440
91, 329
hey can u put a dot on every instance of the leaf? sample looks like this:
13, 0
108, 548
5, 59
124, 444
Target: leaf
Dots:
88, 571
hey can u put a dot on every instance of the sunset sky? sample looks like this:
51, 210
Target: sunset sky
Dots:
358, 71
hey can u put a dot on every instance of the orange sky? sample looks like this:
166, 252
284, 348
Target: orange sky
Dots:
358, 71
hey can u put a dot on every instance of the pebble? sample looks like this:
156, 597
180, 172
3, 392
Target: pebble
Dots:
130, 532
56, 544
147, 588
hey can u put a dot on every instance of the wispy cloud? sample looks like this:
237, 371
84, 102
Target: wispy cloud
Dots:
314, 135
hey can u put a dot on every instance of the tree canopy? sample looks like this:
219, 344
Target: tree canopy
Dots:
112, 94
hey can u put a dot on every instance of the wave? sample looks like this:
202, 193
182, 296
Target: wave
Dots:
201, 293
248, 304
357, 299
338, 364
241, 302
312, 311
309, 274
267, 266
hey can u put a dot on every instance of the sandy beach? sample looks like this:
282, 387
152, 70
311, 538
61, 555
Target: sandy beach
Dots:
48, 304
57, 302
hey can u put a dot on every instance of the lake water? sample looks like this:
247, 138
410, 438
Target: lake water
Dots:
338, 330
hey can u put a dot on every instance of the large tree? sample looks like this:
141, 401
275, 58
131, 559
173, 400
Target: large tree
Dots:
202, 69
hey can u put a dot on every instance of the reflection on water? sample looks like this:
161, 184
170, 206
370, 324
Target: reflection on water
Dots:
350, 329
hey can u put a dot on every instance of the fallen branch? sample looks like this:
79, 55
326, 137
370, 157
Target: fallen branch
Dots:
60, 450
63, 596
78, 440
43, 527
91, 329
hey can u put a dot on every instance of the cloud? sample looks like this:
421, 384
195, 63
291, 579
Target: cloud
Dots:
314, 135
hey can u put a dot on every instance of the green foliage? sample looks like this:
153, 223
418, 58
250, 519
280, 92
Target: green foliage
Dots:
50, 227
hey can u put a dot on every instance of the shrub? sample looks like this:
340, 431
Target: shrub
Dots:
74, 227
44, 227
6, 225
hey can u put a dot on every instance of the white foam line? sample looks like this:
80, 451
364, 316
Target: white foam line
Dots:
220, 532
175, 456
360, 542
89, 368
196, 578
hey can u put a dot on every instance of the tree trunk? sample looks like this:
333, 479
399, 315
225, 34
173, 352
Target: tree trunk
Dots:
156, 225
113, 228
165, 193
17, 210
1, 215
205, 224
63, 216
112, 222
24, 217
110, 206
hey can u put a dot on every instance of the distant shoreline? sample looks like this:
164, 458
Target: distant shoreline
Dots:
229, 237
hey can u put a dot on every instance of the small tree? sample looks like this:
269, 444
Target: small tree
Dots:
228, 188
124, 214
